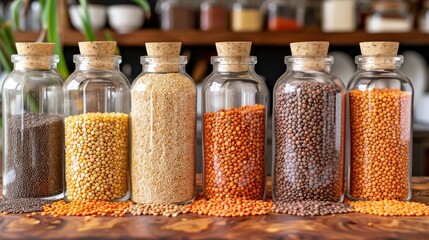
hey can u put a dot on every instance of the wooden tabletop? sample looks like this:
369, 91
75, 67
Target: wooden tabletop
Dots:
191, 226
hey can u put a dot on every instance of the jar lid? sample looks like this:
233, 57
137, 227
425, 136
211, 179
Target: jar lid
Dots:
313, 54
165, 56
231, 53
100, 52
35, 54
381, 54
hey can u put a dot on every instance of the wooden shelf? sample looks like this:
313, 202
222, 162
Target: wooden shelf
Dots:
198, 38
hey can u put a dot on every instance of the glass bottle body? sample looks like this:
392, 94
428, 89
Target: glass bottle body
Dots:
176, 14
33, 135
339, 15
309, 132
96, 107
380, 103
389, 16
163, 121
234, 125
214, 16
284, 15
246, 16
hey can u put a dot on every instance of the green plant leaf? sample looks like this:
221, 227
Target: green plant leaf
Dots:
145, 5
52, 27
86, 22
5, 62
8, 42
15, 9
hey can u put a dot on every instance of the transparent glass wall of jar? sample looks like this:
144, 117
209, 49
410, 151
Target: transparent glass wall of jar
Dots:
389, 16
380, 103
163, 128
96, 107
284, 15
177, 14
246, 16
234, 123
309, 130
214, 15
33, 125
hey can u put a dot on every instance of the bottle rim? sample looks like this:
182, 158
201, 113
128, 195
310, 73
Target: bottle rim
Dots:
78, 58
176, 60
51, 58
228, 60
328, 60
397, 59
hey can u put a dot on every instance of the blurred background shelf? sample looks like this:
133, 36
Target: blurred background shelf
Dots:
199, 38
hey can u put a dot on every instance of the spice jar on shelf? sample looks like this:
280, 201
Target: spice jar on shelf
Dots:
177, 14
389, 16
246, 16
339, 15
312, 14
96, 107
284, 15
163, 128
234, 123
380, 99
214, 15
309, 127
33, 125
424, 18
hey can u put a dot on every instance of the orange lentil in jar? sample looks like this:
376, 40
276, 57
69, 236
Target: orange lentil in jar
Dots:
380, 144
234, 147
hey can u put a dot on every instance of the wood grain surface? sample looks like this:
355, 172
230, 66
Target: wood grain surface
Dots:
191, 226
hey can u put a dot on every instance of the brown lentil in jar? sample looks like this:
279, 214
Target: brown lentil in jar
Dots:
97, 156
234, 147
380, 144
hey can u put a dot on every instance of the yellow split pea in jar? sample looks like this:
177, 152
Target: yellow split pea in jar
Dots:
97, 104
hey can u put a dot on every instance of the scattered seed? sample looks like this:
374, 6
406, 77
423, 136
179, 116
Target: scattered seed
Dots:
87, 208
311, 208
22, 205
391, 208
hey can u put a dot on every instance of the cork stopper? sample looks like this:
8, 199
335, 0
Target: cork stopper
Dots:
382, 53
233, 52
314, 53
99, 51
309, 48
167, 54
36, 54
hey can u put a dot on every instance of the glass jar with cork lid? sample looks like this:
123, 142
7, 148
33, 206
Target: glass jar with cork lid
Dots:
246, 16
163, 128
309, 127
234, 122
33, 125
96, 107
380, 104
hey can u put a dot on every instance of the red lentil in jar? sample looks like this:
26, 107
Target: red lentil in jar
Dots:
234, 152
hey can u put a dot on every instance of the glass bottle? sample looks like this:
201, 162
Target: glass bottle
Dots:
246, 16
163, 128
312, 14
33, 123
339, 15
380, 99
284, 15
424, 18
214, 15
96, 107
309, 127
176, 14
234, 123
389, 16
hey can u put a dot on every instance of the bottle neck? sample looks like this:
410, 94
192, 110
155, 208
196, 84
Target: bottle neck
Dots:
234, 64
35, 62
98, 63
370, 63
309, 63
166, 64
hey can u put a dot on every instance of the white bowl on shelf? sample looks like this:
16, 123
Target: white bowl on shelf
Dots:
97, 15
125, 18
